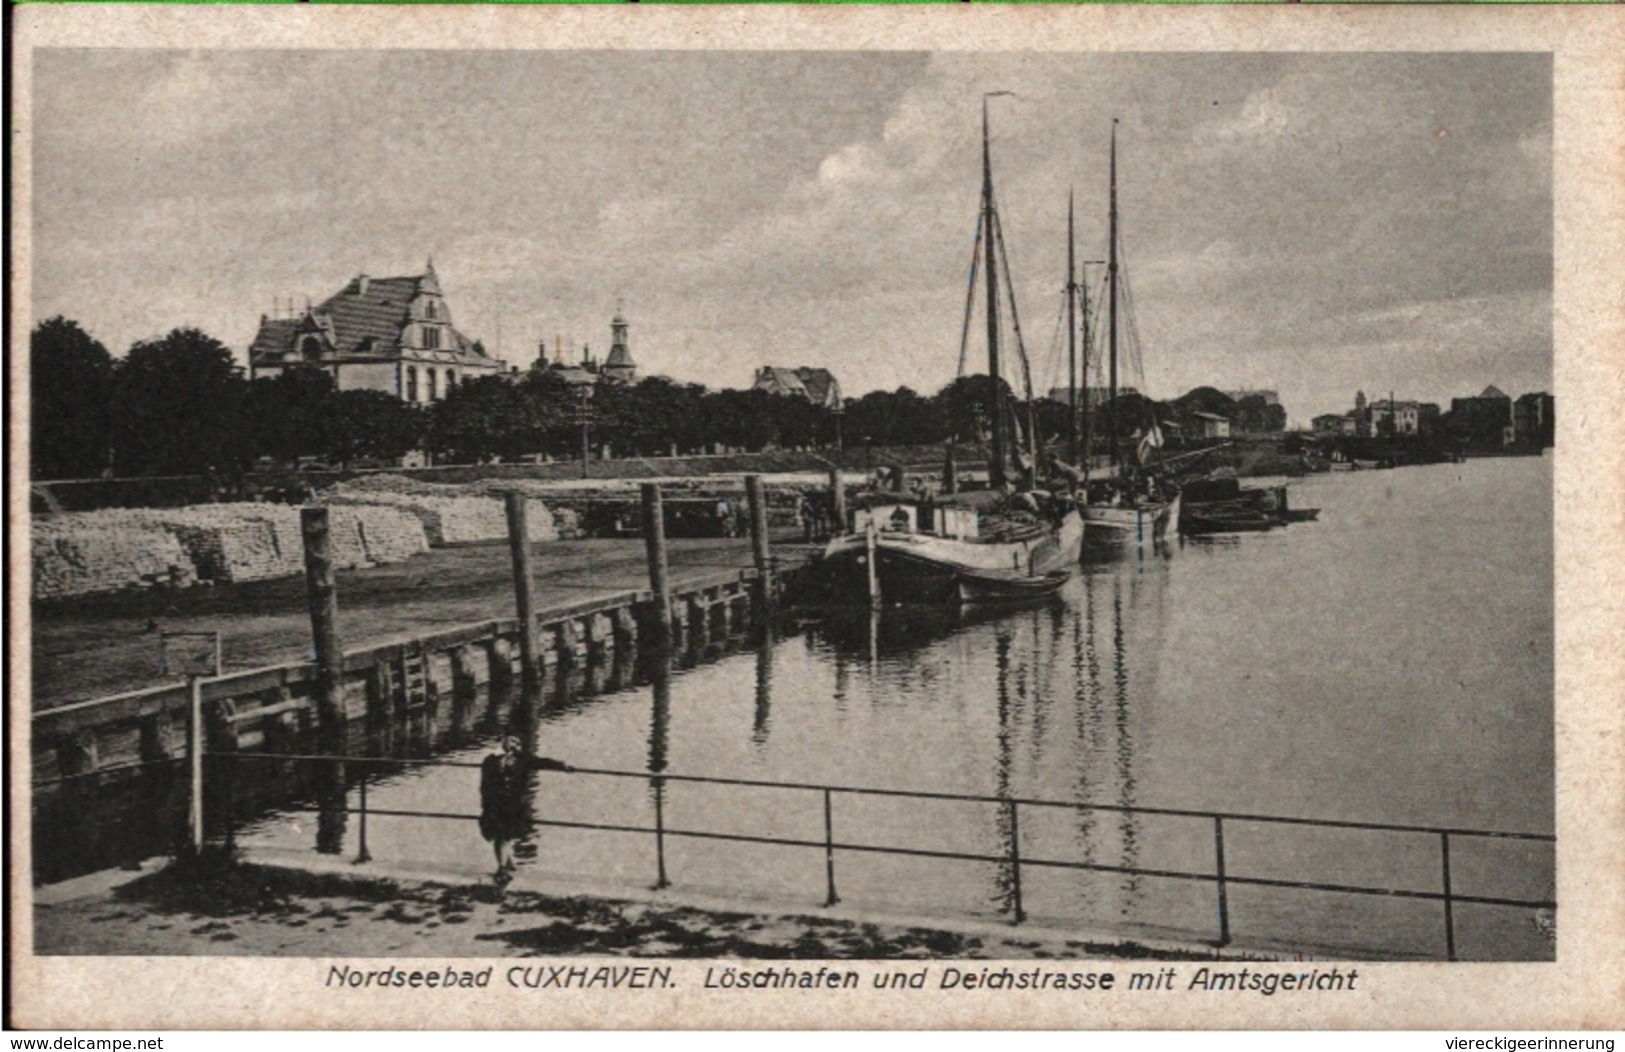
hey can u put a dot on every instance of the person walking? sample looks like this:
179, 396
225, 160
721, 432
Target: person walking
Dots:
505, 814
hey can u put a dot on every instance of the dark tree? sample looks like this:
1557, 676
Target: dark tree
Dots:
1253, 414
369, 424
69, 385
494, 417
966, 407
286, 413
178, 407
650, 418
893, 418
741, 419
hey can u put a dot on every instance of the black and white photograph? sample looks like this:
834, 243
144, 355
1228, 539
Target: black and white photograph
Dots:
754, 517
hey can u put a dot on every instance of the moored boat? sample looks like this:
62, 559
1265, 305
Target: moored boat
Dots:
1222, 520
988, 546
1224, 505
1134, 502
971, 547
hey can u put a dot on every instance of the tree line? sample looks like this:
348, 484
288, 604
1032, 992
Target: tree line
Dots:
180, 405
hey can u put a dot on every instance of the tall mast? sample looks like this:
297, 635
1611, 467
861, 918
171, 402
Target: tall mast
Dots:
1111, 303
1083, 297
1071, 339
995, 475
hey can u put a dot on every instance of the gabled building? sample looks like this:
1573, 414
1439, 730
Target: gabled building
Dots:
817, 386
377, 334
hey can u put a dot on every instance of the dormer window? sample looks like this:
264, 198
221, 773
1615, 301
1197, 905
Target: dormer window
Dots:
310, 349
431, 338
428, 309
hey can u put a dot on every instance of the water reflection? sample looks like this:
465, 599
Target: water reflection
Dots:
1128, 823
764, 689
1006, 821
1222, 680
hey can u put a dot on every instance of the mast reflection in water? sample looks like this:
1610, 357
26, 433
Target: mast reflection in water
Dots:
1275, 675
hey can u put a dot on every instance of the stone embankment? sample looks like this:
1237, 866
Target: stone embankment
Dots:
380, 520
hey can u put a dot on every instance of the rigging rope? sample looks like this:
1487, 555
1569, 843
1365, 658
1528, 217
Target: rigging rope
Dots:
1057, 358
1015, 323
970, 294
1015, 318
1136, 364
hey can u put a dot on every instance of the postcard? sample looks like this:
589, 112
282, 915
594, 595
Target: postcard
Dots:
782, 517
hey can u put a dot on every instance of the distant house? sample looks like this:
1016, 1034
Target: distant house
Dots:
1211, 425
1394, 417
1534, 420
1331, 423
376, 334
1485, 420
817, 386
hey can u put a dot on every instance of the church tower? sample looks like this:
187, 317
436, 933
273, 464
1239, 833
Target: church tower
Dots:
619, 366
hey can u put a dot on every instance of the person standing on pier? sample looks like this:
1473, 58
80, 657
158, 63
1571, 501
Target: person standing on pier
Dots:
505, 799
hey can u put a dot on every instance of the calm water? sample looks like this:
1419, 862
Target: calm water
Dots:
1389, 663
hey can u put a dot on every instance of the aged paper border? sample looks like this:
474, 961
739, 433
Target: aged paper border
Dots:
1585, 988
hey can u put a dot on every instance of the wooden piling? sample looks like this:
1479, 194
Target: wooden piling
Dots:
324, 616
524, 587
837, 498
194, 756
330, 708
869, 545
654, 541
758, 537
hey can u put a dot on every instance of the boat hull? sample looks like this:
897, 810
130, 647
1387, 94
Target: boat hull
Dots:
1137, 521
923, 568
1199, 523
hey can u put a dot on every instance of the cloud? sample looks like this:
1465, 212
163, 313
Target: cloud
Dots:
1285, 216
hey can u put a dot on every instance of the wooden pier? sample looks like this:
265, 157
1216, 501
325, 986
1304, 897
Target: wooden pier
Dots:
382, 680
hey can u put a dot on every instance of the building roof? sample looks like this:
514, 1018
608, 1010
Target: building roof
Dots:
1492, 392
275, 337
780, 380
821, 387
817, 386
620, 357
365, 318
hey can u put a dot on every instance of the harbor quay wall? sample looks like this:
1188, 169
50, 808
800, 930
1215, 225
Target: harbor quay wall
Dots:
387, 682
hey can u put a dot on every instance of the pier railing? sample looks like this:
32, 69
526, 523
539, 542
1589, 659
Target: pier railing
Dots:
1012, 807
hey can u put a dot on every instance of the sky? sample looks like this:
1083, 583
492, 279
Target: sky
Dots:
1314, 224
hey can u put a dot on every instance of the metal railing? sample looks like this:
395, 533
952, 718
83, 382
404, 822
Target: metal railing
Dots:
1011, 806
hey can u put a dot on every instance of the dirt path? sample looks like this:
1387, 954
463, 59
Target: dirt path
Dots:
99, 645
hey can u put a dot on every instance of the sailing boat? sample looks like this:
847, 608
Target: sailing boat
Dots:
1126, 504
976, 546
